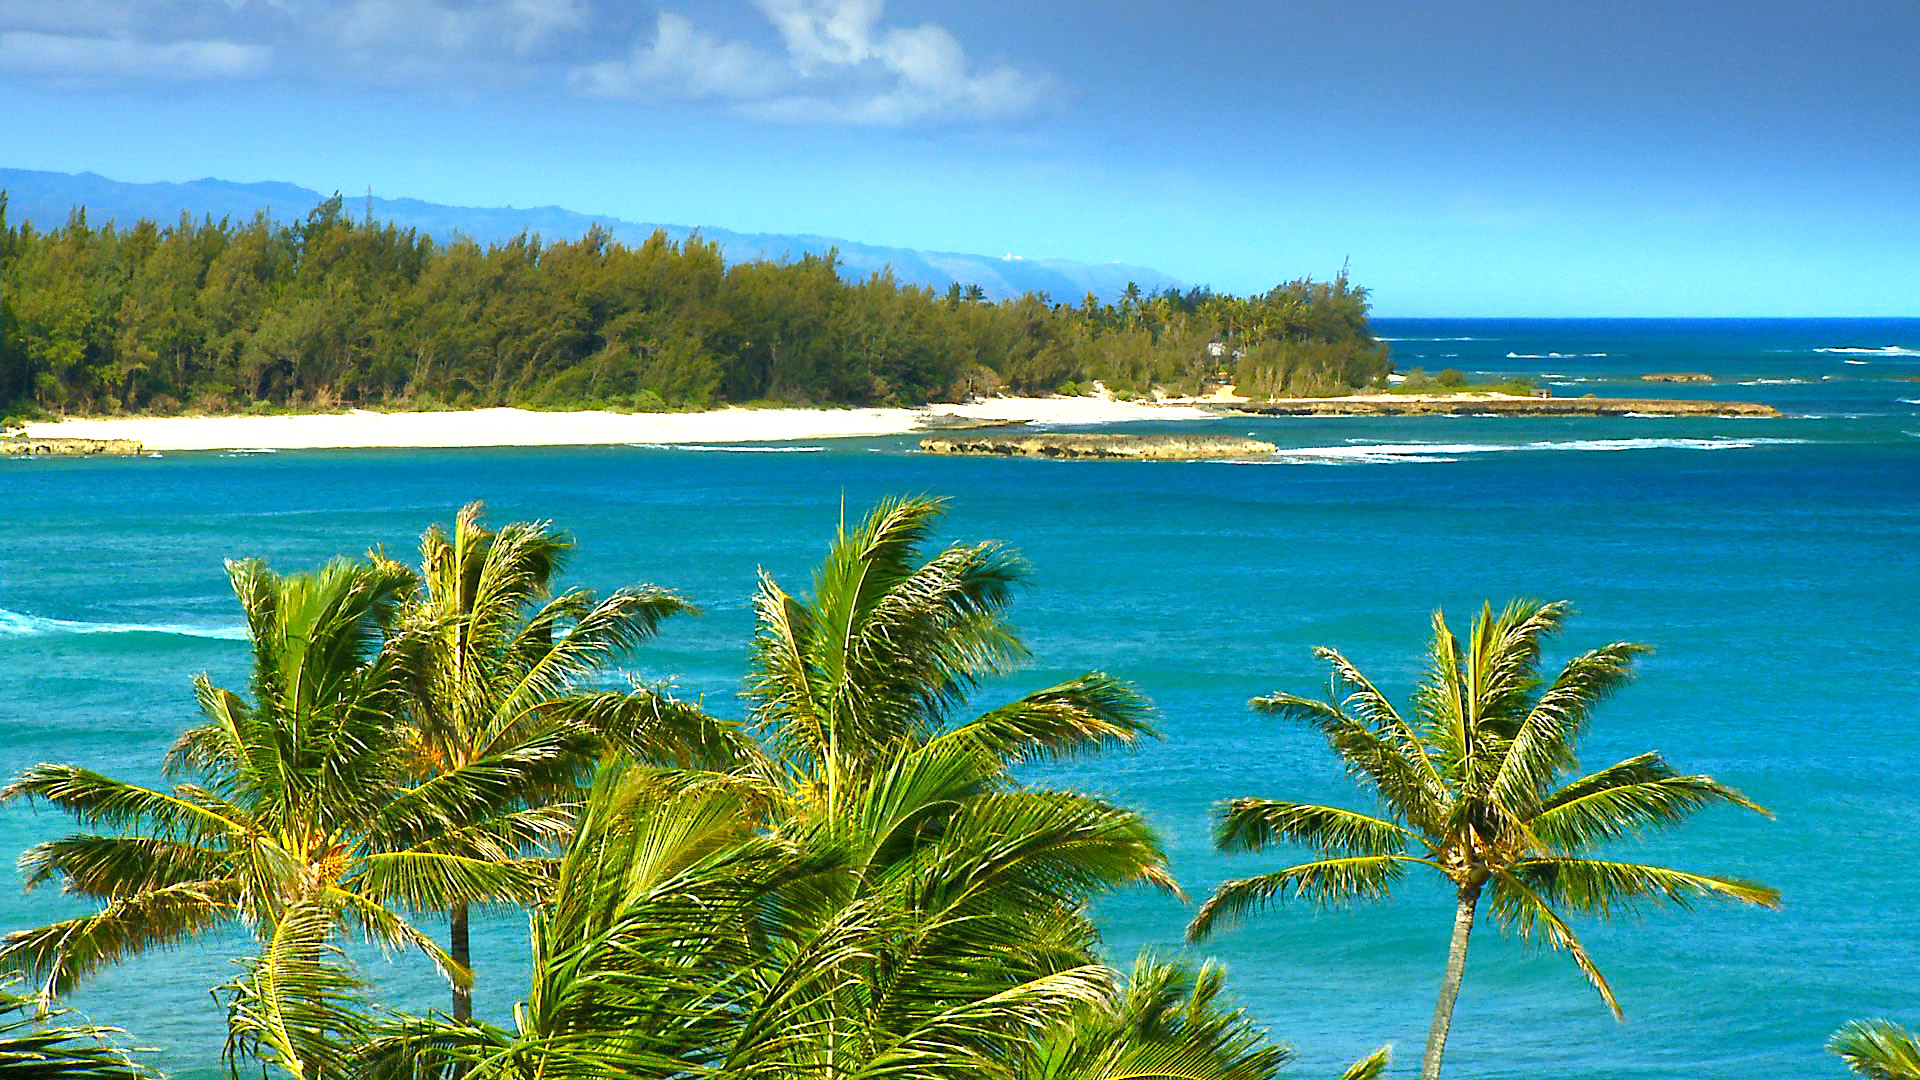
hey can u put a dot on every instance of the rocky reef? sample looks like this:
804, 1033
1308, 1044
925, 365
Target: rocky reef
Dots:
28, 447
1677, 376
1101, 447
939, 421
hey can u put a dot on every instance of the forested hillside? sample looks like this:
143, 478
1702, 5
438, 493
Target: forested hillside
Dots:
331, 312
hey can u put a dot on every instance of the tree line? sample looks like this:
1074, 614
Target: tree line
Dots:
854, 882
330, 312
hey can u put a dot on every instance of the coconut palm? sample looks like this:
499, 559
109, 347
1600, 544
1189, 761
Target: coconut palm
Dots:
1877, 1050
1475, 786
683, 940
874, 896
302, 823
494, 670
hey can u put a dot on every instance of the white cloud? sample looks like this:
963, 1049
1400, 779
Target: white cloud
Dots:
812, 62
823, 35
842, 66
683, 61
84, 56
490, 27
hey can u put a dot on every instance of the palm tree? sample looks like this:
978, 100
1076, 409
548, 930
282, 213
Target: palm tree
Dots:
1877, 1050
494, 663
684, 940
1473, 786
302, 824
873, 896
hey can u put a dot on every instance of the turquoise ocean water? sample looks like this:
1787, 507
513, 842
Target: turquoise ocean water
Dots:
1772, 562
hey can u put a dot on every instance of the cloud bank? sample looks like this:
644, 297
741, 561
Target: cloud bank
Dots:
839, 64
810, 62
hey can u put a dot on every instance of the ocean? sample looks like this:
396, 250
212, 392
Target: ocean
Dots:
1771, 562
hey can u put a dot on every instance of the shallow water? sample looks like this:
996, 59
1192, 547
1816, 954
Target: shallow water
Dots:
1770, 561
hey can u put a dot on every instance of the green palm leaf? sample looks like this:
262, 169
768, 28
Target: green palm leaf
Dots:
1325, 882
1877, 1050
1255, 824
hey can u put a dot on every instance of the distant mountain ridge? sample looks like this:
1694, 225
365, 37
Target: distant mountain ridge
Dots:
48, 198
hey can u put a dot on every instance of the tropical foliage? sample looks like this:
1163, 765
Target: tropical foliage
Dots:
492, 665
1479, 783
34, 1046
329, 312
301, 821
875, 895
1878, 1050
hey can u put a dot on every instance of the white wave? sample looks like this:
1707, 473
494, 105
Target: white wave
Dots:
731, 449
1774, 382
1552, 355
237, 451
1909, 401
15, 624
1886, 350
1431, 339
1450, 451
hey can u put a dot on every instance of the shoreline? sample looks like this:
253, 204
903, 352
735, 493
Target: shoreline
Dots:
362, 429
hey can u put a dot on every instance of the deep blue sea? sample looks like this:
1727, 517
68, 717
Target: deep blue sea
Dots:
1772, 562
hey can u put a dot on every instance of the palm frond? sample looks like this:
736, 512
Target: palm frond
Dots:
1168, 1022
106, 867
59, 956
1084, 715
1544, 745
1517, 906
435, 881
34, 1047
1383, 751
1599, 887
650, 725
297, 1005
1877, 1050
1627, 799
1324, 882
1371, 1067
1253, 824
94, 800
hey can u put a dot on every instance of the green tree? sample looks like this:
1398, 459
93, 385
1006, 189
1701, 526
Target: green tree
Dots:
875, 895
1877, 1050
493, 669
302, 824
1475, 786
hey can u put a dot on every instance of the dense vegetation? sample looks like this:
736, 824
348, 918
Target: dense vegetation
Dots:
331, 312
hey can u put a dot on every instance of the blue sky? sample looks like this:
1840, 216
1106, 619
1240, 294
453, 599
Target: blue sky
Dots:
1468, 158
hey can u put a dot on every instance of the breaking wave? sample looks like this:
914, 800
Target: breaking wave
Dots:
730, 449
1402, 453
15, 624
1858, 350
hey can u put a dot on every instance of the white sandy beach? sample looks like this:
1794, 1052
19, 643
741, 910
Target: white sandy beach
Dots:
521, 427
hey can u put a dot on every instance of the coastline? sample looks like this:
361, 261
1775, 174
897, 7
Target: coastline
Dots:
362, 429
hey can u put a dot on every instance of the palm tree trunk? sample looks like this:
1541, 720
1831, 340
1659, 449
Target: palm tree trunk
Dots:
1450, 988
462, 953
